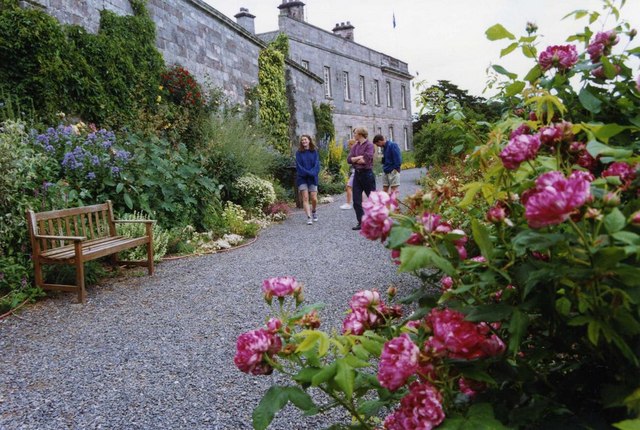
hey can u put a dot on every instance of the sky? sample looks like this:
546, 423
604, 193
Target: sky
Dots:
442, 39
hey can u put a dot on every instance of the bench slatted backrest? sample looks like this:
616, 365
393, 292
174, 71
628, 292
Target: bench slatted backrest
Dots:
92, 222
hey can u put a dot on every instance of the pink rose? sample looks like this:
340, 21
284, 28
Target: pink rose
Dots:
601, 44
430, 221
279, 287
555, 197
446, 283
421, 409
354, 323
376, 223
496, 214
562, 57
398, 361
624, 171
519, 149
273, 325
454, 337
251, 348
364, 299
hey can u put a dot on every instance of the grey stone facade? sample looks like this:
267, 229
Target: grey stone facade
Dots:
224, 54
354, 101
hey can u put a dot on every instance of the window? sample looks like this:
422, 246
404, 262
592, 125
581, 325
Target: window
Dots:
406, 139
376, 92
327, 82
389, 104
379, 130
403, 96
391, 134
345, 84
305, 64
363, 93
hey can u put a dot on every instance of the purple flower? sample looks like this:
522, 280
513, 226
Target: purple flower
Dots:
555, 197
91, 175
519, 149
562, 57
601, 45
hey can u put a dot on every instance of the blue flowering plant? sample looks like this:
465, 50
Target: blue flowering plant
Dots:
88, 163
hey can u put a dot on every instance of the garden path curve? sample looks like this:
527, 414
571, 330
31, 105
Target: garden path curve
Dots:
157, 352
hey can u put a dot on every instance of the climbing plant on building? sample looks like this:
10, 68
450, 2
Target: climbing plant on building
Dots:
273, 111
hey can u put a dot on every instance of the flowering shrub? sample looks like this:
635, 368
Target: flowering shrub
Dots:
536, 321
160, 238
182, 87
254, 192
88, 160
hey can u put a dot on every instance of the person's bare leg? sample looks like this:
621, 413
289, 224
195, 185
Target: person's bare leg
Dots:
349, 194
314, 200
305, 202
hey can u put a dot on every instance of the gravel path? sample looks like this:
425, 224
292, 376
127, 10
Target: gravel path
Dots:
157, 352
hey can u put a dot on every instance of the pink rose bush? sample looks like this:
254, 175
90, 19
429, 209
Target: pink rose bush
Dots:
560, 57
527, 250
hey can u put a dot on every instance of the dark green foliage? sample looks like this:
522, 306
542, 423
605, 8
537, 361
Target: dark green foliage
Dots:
325, 130
274, 109
103, 78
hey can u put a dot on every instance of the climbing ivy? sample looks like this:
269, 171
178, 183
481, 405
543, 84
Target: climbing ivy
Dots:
103, 78
324, 122
273, 111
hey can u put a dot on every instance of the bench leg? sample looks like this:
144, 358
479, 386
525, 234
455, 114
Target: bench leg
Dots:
82, 294
150, 258
37, 268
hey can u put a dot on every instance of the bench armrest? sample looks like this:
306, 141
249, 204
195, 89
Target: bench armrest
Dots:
74, 238
129, 221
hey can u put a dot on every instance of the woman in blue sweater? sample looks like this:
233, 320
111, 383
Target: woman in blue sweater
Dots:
307, 169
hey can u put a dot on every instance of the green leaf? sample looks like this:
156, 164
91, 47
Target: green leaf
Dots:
488, 313
535, 241
628, 424
614, 221
533, 74
593, 332
477, 375
345, 377
372, 346
355, 362
420, 257
607, 131
498, 32
371, 408
610, 71
305, 375
311, 338
399, 236
471, 190
128, 201
324, 375
119, 187
596, 149
273, 400
508, 49
514, 88
563, 306
301, 400
504, 71
627, 237
306, 309
482, 239
589, 101
517, 328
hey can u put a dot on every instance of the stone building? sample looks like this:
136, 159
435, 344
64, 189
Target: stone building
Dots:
365, 87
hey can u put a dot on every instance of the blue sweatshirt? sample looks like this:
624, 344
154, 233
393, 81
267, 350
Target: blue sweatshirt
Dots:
391, 157
307, 167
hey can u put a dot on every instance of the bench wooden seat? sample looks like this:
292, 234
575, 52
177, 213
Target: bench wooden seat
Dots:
73, 236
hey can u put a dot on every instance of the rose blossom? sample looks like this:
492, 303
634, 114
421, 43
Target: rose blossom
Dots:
364, 299
456, 338
496, 214
273, 325
280, 286
555, 197
376, 223
522, 129
601, 44
519, 149
626, 172
421, 409
398, 361
430, 221
251, 348
635, 218
562, 57
446, 282
367, 311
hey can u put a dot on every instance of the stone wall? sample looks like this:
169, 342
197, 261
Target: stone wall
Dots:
320, 48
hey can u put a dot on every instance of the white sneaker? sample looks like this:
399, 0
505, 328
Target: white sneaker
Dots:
345, 206
309, 221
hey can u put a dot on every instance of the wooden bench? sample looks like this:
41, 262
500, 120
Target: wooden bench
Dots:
73, 236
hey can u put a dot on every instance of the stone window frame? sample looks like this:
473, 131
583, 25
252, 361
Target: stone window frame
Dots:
305, 64
345, 86
327, 82
406, 138
363, 92
403, 96
391, 137
376, 92
389, 98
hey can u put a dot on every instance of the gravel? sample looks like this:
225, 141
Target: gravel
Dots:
157, 352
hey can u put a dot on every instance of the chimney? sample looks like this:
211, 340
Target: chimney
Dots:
293, 9
245, 20
344, 30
